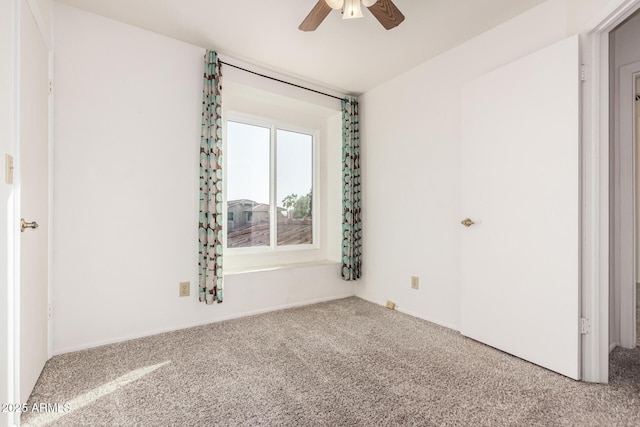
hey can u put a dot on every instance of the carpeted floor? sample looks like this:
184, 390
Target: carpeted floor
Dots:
346, 362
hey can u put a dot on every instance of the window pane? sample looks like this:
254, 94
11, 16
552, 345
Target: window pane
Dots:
247, 185
294, 192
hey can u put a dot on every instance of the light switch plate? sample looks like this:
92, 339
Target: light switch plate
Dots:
8, 175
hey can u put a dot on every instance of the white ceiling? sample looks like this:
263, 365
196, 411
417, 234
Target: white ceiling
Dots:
349, 56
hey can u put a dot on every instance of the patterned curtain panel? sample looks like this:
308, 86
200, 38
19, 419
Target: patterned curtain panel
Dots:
210, 229
351, 200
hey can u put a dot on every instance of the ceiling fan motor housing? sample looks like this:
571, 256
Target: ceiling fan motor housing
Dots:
385, 11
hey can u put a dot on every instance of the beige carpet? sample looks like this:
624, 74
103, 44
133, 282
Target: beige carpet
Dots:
342, 363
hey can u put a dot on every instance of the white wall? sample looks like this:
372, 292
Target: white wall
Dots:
127, 132
123, 282
583, 15
411, 166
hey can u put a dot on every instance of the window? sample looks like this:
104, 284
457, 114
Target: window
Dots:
269, 185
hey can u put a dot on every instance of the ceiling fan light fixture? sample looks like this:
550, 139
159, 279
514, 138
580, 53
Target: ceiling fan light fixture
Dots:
335, 4
385, 11
352, 9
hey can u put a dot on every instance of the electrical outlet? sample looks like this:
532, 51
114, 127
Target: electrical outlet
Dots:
184, 289
415, 282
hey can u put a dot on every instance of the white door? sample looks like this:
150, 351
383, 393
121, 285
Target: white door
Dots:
34, 92
520, 177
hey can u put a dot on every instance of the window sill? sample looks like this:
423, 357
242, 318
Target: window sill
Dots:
244, 270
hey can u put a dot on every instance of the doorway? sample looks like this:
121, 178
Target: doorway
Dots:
625, 232
598, 297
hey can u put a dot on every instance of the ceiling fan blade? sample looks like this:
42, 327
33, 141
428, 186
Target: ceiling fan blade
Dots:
316, 16
387, 13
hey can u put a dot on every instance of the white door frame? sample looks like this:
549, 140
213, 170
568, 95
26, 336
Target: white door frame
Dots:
625, 219
595, 188
16, 212
7, 219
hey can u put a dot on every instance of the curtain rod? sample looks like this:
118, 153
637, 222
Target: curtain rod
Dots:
281, 81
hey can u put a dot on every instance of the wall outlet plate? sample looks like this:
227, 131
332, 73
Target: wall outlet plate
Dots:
415, 282
185, 288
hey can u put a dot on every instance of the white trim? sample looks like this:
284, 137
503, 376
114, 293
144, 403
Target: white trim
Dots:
273, 189
246, 270
50, 211
611, 15
427, 318
595, 189
196, 324
613, 346
16, 205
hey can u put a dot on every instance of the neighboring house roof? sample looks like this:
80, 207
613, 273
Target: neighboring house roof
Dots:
261, 207
255, 206
232, 203
291, 233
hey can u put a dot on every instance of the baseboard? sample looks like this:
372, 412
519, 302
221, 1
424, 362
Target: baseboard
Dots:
427, 318
101, 343
613, 345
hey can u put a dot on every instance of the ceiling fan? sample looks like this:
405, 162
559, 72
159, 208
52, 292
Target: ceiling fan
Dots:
384, 10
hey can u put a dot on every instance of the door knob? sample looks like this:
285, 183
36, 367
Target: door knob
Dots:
24, 225
467, 222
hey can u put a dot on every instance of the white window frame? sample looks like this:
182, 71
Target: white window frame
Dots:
274, 125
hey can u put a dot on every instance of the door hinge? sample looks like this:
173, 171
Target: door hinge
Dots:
585, 326
50, 86
583, 73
